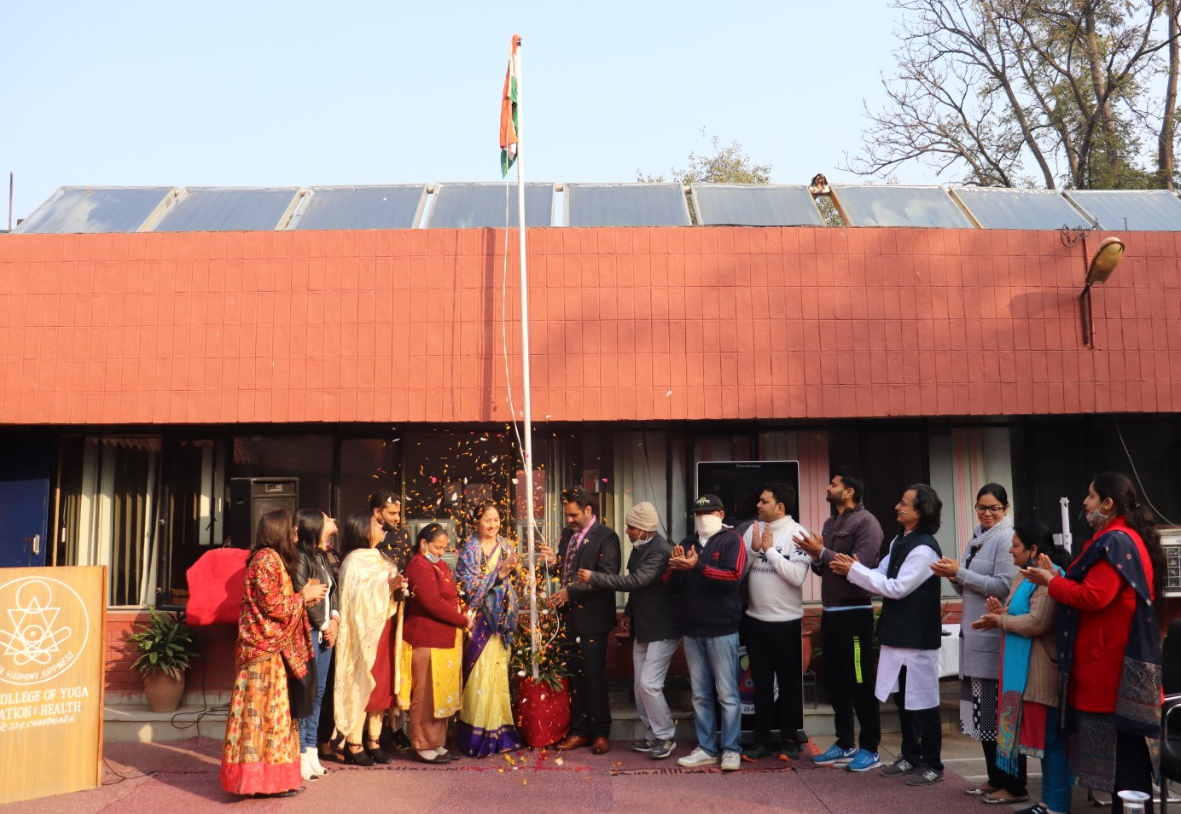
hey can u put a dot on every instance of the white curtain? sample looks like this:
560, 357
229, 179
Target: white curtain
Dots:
111, 519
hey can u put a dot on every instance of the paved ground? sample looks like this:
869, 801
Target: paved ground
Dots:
181, 776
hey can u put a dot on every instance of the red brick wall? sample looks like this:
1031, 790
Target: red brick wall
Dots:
659, 323
213, 672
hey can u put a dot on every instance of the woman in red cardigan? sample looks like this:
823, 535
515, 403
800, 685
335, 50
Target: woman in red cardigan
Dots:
432, 656
1109, 640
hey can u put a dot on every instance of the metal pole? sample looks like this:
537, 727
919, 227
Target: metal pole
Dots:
10, 185
528, 453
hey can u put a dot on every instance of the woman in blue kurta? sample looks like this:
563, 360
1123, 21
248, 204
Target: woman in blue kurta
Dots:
484, 572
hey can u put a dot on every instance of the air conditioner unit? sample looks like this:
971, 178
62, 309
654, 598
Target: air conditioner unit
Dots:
1170, 538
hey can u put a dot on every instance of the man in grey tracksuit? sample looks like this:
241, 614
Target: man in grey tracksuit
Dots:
651, 617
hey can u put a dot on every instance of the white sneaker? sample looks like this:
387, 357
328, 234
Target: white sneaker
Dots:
698, 757
314, 760
731, 761
305, 767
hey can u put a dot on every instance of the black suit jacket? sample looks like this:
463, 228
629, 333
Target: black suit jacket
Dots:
591, 610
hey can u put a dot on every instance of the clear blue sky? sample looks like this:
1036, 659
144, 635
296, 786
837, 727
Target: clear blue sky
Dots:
252, 93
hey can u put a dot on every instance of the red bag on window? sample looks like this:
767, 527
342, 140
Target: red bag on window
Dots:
216, 584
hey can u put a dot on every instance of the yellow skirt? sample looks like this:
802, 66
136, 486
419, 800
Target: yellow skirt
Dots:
486, 714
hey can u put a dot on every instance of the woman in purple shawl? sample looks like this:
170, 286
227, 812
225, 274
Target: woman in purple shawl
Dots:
484, 571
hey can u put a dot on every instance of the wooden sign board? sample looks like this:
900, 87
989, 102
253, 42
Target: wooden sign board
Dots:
51, 680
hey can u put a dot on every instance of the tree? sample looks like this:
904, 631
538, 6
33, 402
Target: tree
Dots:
728, 164
1031, 92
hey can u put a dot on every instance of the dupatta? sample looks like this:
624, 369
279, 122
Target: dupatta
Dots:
494, 600
1137, 703
1015, 653
365, 605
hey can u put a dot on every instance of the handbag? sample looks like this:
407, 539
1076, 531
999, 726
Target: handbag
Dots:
301, 691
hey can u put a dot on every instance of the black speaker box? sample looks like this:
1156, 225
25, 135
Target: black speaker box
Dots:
251, 498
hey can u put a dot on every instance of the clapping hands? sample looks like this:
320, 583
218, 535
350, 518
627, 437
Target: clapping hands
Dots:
842, 563
991, 618
682, 560
810, 543
1042, 574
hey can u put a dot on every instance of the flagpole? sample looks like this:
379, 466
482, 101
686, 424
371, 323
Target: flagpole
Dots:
525, 382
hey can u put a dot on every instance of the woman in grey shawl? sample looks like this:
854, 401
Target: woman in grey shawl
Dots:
985, 570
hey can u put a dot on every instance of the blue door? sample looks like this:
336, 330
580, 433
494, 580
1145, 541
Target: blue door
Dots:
25, 466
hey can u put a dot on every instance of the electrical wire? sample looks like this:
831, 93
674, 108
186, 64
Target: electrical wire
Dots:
1131, 463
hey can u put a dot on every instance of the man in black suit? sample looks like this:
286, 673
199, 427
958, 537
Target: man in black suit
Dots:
589, 615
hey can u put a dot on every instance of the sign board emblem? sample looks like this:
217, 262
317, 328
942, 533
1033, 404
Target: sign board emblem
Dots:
36, 643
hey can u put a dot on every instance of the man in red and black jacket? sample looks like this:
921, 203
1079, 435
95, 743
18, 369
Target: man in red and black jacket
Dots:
706, 570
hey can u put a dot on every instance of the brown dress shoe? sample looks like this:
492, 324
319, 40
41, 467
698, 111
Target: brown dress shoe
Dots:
601, 746
572, 742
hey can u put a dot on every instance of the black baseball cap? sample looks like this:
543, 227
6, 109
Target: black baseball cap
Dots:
707, 503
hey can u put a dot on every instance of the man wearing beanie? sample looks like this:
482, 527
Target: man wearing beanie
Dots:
706, 570
651, 618
773, 625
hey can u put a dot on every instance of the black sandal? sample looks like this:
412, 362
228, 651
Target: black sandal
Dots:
361, 758
377, 755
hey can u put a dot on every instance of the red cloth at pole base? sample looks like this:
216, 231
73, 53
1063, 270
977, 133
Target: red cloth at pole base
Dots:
542, 713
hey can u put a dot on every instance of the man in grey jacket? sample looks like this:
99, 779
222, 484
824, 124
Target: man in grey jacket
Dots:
651, 618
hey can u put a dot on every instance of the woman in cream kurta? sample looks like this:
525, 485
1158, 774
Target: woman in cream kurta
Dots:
367, 582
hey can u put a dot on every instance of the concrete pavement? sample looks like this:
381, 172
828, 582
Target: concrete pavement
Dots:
181, 776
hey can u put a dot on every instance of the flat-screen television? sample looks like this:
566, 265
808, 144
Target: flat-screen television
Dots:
739, 484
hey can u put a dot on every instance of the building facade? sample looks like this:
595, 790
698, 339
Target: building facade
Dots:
141, 372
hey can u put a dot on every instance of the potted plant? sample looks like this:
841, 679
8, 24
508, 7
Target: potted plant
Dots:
542, 704
167, 645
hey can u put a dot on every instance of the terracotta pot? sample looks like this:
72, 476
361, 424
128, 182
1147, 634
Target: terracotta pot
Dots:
542, 713
163, 691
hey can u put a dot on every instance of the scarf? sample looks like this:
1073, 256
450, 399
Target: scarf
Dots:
1015, 650
981, 535
1137, 703
492, 598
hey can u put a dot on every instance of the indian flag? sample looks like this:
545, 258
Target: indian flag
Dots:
508, 110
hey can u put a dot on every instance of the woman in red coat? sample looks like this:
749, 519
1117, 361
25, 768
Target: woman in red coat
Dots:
1109, 640
432, 656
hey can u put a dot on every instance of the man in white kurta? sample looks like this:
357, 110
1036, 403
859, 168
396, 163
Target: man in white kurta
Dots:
909, 661
922, 686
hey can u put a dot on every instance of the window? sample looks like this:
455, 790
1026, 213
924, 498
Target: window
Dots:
110, 511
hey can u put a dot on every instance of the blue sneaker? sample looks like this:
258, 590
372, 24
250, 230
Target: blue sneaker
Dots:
864, 761
835, 756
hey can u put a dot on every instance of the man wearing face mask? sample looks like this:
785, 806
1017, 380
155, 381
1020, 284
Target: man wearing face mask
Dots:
706, 570
589, 612
651, 618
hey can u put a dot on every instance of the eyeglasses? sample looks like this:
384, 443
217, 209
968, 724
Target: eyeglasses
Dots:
989, 509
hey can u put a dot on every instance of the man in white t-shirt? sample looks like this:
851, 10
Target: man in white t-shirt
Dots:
773, 623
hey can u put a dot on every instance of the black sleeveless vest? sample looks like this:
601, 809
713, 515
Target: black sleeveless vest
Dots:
915, 621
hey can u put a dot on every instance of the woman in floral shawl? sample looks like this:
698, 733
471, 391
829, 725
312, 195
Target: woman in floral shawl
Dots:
261, 750
484, 571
